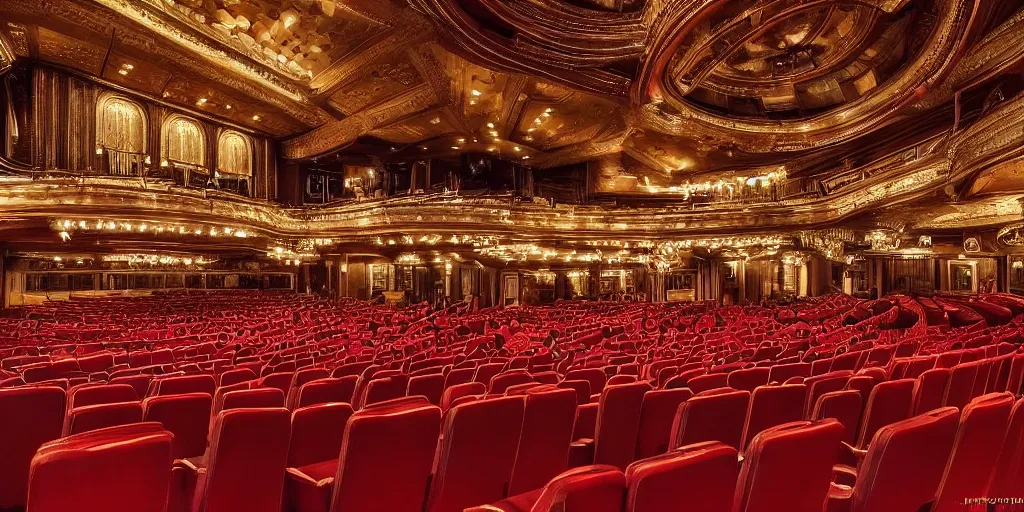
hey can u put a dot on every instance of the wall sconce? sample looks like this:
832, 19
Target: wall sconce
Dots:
99, 150
164, 163
343, 267
148, 160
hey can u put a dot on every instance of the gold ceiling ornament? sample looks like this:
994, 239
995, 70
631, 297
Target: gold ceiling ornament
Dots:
876, 98
830, 243
554, 40
1011, 235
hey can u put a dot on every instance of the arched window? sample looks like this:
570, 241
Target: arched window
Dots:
120, 124
234, 153
184, 141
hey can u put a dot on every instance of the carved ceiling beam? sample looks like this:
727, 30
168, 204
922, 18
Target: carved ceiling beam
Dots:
514, 101
145, 34
661, 109
999, 51
488, 49
544, 33
407, 29
336, 134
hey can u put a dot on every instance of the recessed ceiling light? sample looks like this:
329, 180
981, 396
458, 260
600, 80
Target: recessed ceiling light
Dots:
549, 110
516, 149
490, 125
436, 120
123, 71
256, 117
475, 92
227, 106
455, 147
202, 101
526, 157
462, 140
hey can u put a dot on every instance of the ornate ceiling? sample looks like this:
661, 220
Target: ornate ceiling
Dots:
660, 96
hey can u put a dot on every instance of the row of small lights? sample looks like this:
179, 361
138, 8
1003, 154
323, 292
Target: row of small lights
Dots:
66, 227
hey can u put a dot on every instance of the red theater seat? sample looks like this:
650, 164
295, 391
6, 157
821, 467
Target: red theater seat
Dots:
903, 466
238, 375
1008, 479
697, 478
429, 386
595, 376
544, 441
889, 403
929, 390
92, 417
584, 489
458, 391
502, 381
716, 415
249, 399
960, 387
748, 379
388, 388
487, 430
771, 406
83, 395
983, 426
843, 406
386, 456
656, 414
615, 434
123, 468
31, 416
709, 382
322, 391
245, 466
316, 433
186, 416
789, 464
140, 383
186, 384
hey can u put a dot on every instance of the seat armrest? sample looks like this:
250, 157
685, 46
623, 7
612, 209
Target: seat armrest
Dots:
840, 497
851, 456
844, 475
581, 453
297, 475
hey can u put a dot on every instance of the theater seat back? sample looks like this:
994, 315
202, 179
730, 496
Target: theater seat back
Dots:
118, 468
485, 430
246, 465
544, 441
31, 417
975, 451
905, 463
716, 415
702, 476
791, 464
386, 457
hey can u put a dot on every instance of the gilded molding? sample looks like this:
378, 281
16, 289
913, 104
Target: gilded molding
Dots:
6, 54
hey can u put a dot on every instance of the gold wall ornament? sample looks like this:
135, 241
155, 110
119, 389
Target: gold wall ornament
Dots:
6, 54
184, 140
120, 124
234, 153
